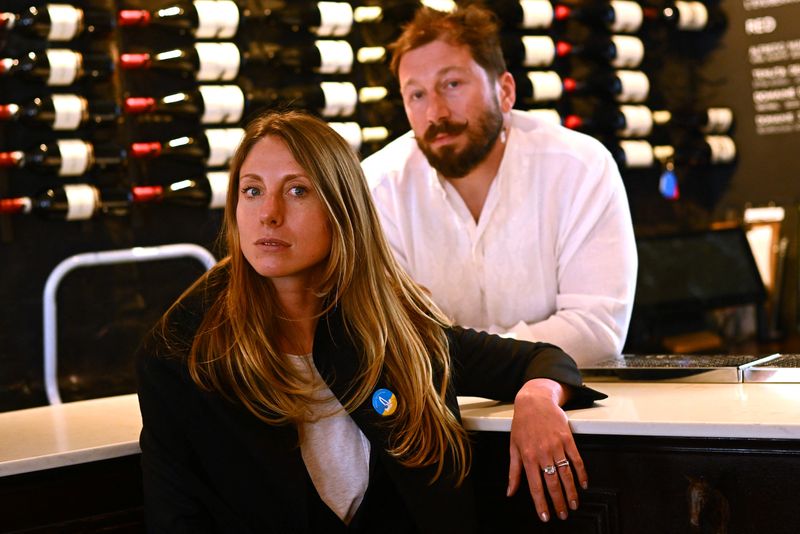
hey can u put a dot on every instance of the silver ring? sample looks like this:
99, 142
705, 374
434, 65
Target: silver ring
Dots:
549, 470
562, 463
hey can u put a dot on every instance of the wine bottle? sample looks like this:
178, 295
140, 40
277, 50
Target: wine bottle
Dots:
65, 157
534, 87
640, 121
323, 56
61, 112
228, 104
209, 191
211, 104
339, 100
638, 153
716, 120
224, 61
58, 22
70, 202
58, 66
624, 16
380, 106
377, 93
356, 135
624, 121
622, 85
689, 16
220, 19
618, 16
214, 147
619, 51
206, 62
439, 5
325, 19
529, 51
393, 12
705, 150
205, 19
328, 99
696, 152
524, 14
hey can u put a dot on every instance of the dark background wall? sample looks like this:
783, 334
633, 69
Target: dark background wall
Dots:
103, 312
756, 70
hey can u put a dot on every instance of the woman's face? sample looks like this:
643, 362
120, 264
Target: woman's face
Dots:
283, 227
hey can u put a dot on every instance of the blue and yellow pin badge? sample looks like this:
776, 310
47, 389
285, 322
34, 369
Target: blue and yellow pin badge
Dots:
384, 402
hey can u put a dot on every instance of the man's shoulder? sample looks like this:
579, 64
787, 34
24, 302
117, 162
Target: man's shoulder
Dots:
402, 157
542, 137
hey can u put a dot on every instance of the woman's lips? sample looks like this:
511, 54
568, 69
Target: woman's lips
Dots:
272, 242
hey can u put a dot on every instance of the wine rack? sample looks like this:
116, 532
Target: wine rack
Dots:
622, 70
178, 84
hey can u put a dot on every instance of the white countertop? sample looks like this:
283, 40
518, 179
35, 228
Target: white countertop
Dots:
99, 429
767, 411
67, 434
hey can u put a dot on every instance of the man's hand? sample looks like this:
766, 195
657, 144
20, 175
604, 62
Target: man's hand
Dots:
541, 440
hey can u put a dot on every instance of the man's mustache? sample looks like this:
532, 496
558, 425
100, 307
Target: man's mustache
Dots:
444, 127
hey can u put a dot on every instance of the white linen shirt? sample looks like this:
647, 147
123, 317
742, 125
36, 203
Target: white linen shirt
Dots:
552, 257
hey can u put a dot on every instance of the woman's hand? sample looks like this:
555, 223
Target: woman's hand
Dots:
542, 442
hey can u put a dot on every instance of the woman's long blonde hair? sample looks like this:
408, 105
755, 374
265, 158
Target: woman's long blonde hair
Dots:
388, 317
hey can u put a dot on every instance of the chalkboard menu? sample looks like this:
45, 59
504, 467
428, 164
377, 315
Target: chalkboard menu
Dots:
756, 69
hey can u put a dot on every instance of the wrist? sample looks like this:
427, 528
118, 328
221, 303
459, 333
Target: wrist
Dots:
544, 388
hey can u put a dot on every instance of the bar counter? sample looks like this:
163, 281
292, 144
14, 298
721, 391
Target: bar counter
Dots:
646, 447
55, 436
763, 411
48, 437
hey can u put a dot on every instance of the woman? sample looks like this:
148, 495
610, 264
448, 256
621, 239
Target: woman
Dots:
306, 384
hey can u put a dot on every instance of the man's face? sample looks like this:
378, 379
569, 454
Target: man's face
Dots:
452, 105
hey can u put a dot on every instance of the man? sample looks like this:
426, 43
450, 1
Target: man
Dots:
515, 226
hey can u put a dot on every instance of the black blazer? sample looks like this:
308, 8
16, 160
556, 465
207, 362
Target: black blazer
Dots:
209, 465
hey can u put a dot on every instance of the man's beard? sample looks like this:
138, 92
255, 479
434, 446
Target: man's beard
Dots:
451, 163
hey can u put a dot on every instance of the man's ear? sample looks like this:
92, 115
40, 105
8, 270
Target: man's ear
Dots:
507, 91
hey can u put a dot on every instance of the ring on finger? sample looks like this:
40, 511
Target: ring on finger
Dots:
562, 463
549, 469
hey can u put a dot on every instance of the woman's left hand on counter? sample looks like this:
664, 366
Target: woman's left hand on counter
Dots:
542, 442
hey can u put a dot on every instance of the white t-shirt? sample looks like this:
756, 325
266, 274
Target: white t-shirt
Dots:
334, 450
552, 257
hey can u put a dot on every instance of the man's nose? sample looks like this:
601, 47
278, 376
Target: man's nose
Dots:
437, 108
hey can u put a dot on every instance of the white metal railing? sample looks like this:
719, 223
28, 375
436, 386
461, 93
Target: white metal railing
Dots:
91, 259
